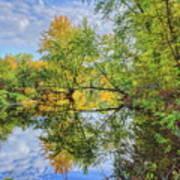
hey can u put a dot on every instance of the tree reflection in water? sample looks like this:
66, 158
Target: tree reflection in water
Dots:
24, 156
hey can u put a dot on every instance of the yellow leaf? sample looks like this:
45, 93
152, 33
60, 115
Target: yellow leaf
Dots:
29, 91
79, 98
62, 162
106, 96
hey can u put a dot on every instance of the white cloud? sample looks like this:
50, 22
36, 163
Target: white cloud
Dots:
23, 24
41, 2
22, 21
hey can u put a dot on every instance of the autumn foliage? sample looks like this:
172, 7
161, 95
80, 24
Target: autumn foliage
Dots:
100, 95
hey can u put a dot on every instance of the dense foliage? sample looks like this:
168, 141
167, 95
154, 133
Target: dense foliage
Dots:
100, 95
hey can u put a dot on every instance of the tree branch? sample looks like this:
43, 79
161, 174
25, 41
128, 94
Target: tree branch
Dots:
50, 89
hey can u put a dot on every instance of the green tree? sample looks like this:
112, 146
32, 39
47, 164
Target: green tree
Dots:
128, 81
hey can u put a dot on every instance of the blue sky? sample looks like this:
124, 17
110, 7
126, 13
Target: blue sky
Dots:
23, 21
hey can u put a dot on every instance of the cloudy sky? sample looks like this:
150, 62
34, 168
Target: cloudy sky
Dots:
23, 21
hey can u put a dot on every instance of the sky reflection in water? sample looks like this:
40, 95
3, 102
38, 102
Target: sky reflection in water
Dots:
22, 158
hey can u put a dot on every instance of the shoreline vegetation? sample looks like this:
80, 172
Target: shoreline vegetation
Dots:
128, 80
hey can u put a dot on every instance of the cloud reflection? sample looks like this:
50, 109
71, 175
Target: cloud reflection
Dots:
22, 158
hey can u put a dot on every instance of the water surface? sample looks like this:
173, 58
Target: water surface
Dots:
22, 158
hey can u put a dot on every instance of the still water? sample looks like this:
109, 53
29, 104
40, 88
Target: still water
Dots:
22, 158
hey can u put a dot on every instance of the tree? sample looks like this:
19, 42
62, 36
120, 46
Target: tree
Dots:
127, 80
140, 63
147, 42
